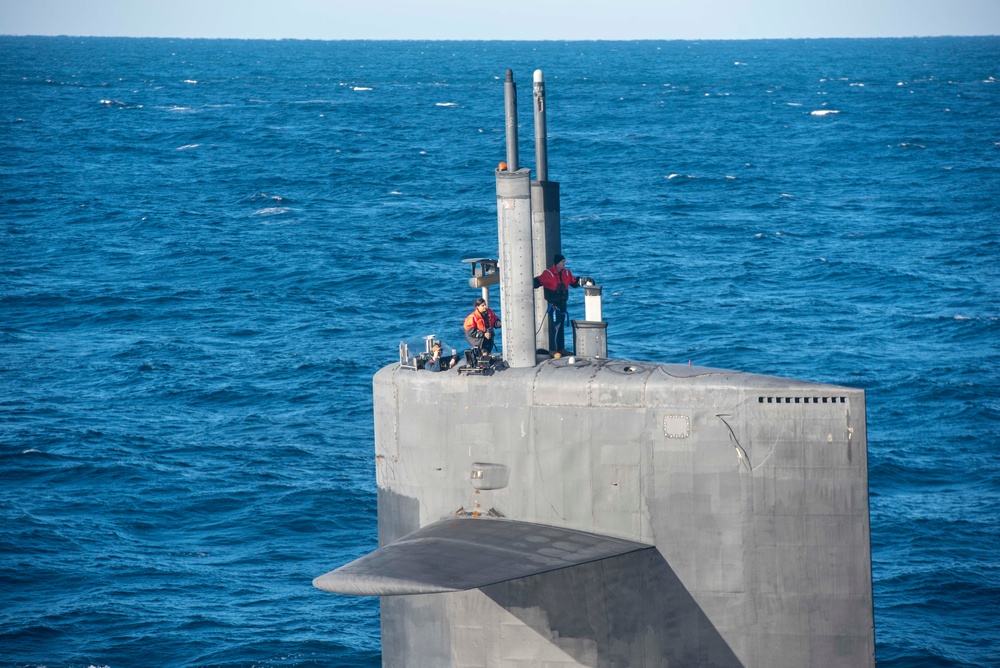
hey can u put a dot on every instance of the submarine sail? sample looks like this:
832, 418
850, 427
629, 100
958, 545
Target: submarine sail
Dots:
592, 511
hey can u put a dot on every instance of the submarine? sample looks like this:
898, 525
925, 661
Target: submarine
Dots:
585, 510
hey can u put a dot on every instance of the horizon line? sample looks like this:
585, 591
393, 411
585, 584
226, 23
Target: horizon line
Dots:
495, 39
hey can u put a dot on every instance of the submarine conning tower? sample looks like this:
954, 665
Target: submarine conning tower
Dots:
587, 511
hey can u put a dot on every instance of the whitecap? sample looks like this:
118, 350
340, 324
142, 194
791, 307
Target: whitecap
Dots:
673, 176
446, 104
823, 112
395, 192
731, 178
361, 88
187, 146
794, 104
962, 317
272, 211
191, 81
30, 450
859, 85
787, 196
259, 196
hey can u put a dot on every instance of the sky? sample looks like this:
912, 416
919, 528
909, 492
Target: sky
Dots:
481, 19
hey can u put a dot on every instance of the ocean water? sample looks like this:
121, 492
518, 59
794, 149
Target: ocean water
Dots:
207, 248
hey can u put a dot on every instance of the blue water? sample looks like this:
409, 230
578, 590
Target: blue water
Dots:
207, 248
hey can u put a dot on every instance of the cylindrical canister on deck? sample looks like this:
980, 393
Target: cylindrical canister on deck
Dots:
592, 303
590, 339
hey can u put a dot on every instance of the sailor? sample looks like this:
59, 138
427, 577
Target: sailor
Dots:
479, 326
557, 280
436, 363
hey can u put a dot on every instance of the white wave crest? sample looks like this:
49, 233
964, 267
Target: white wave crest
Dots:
187, 146
446, 104
823, 112
272, 211
361, 88
190, 81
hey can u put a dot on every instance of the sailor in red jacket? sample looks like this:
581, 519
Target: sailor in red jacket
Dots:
479, 327
557, 280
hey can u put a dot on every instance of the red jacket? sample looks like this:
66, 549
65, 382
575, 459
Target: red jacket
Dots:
475, 320
556, 284
552, 278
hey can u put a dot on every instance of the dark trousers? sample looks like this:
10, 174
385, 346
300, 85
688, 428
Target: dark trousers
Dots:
480, 343
557, 328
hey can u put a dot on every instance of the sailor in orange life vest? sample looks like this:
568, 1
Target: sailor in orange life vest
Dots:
557, 280
479, 327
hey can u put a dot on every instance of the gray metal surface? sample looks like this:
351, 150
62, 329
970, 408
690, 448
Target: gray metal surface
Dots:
545, 224
517, 301
546, 242
465, 553
510, 113
752, 488
541, 132
590, 339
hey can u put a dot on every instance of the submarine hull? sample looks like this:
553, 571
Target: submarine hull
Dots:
750, 493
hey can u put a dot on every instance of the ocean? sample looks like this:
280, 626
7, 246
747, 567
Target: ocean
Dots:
208, 247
